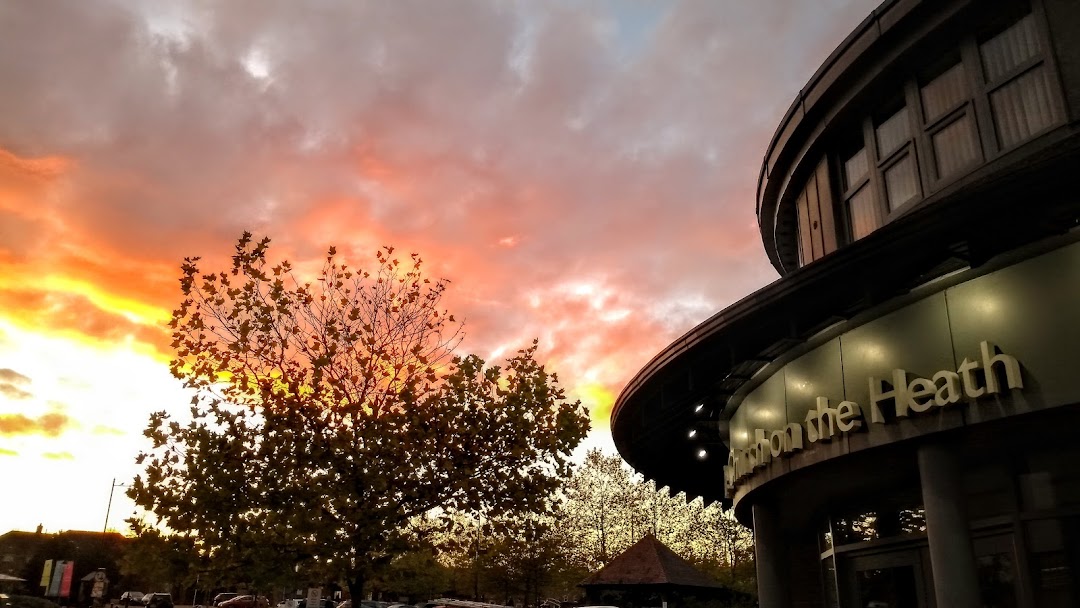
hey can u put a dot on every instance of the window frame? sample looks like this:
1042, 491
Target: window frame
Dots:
932, 126
848, 191
1044, 58
975, 106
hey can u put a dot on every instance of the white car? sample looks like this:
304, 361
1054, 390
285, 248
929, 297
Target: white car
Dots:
129, 598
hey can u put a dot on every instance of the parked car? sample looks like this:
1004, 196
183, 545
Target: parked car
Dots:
157, 600
301, 602
128, 598
246, 601
222, 597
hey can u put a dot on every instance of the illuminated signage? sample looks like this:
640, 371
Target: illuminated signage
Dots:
906, 395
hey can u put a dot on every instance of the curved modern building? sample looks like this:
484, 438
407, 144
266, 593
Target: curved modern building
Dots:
897, 416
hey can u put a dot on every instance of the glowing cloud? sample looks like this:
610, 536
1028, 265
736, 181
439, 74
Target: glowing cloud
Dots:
51, 425
11, 383
58, 456
599, 399
580, 176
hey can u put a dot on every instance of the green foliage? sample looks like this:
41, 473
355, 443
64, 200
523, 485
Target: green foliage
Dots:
605, 508
528, 561
415, 574
329, 413
157, 562
516, 558
601, 508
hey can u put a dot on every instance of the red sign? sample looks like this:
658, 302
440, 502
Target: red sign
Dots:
65, 583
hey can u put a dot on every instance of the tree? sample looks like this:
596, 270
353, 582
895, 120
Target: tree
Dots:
155, 561
327, 414
515, 559
600, 506
418, 573
529, 561
605, 508
731, 546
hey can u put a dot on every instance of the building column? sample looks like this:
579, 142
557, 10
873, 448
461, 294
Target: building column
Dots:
771, 558
952, 559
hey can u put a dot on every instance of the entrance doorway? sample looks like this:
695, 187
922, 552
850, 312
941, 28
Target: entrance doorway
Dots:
885, 580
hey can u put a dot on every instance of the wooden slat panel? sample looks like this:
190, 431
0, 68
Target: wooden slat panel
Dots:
827, 203
815, 217
804, 231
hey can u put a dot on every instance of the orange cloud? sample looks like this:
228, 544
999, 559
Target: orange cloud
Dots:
28, 179
43, 250
78, 317
13, 392
46, 167
52, 424
13, 377
11, 383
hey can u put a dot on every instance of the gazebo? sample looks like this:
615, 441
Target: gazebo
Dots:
650, 575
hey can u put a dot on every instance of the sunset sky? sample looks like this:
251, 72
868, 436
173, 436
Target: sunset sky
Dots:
582, 172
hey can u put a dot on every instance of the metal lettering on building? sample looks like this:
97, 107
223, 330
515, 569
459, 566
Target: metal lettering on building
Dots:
907, 396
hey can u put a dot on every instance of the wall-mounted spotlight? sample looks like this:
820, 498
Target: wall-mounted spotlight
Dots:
703, 430
702, 454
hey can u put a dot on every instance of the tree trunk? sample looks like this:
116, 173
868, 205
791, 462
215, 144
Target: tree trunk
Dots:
356, 587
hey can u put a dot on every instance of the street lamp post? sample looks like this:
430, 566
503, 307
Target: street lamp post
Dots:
112, 488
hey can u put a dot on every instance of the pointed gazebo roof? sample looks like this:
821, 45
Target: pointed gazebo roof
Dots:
650, 562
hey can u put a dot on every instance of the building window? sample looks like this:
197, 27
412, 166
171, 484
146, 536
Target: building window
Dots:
896, 158
901, 182
882, 522
950, 121
892, 133
1021, 98
1022, 108
859, 202
955, 146
863, 212
1010, 49
976, 101
944, 93
856, 169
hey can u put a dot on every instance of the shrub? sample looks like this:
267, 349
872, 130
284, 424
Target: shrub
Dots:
29, 601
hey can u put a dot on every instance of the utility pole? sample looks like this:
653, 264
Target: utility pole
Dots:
113, 487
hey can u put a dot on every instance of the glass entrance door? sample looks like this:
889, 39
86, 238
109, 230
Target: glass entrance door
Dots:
884, 580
